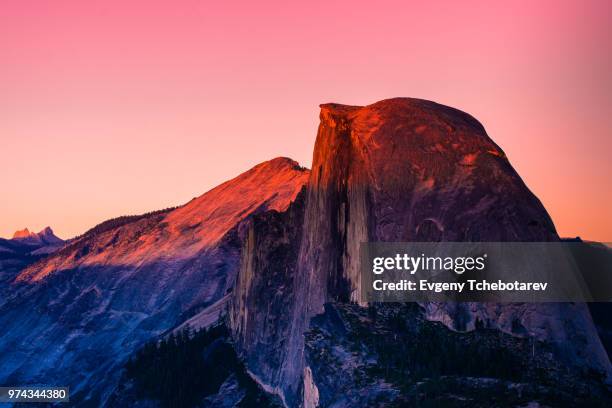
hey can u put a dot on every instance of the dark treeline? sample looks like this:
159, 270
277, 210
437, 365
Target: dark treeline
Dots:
81, 243
429, 350
120, 221
184, 368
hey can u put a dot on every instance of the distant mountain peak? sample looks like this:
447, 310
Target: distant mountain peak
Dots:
280, 163
20, 234
47, 232
43, 237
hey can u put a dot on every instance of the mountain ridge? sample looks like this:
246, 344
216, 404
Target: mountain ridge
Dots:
268, 185
116, 289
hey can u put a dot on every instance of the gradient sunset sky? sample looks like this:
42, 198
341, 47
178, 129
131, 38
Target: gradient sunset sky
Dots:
110, 108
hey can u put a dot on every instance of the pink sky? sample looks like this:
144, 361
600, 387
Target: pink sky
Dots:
109, 109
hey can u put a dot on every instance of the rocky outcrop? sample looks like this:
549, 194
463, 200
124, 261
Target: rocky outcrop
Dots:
398, 170
20, 234
44, 237
74, 317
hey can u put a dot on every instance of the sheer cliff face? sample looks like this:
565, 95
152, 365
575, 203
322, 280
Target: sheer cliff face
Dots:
398, 170
264, 294
408, 170
75, 316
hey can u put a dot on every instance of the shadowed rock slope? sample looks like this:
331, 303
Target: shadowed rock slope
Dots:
74, 317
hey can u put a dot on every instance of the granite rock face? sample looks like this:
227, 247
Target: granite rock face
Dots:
398, 170
264, 295
408, 170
